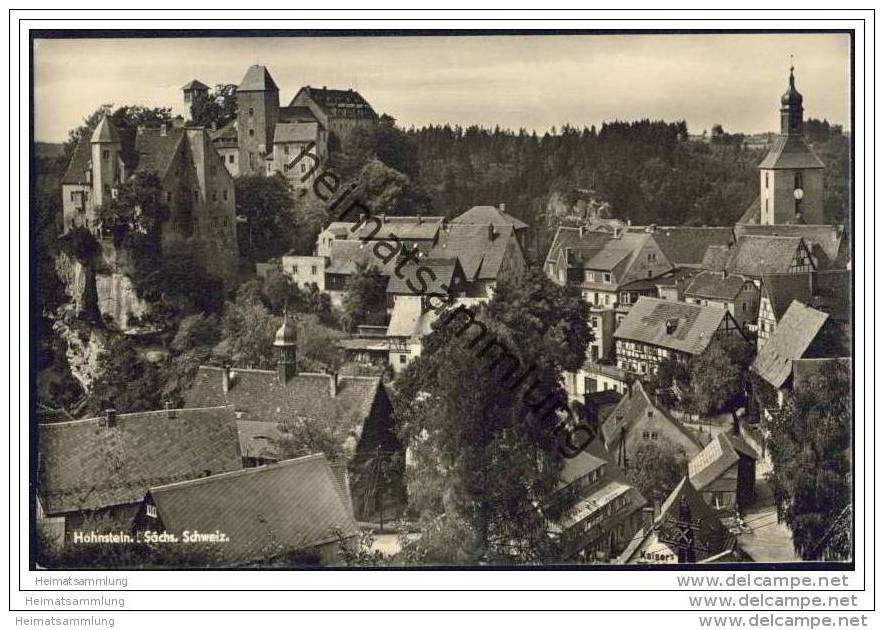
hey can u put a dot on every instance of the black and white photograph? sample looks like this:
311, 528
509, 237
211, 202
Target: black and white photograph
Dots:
332, 300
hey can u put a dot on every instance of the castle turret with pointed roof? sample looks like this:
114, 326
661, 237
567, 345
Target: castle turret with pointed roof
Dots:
791, 176
257, 104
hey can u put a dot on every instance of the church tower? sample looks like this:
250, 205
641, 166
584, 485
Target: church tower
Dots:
791, 174
257, 110
286, 344
106, 165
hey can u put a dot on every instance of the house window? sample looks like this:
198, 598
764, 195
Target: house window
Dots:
798, 180
251, 111
231, 158
295, 269
303, 167
196, 195
595, 322
652, 257
285, 149
251, 132
766, 180
74, 195
313, 269
224, 194
403, 358
151, 511
105, 154
608, 278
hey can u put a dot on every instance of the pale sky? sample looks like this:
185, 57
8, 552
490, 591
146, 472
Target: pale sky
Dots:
534, 82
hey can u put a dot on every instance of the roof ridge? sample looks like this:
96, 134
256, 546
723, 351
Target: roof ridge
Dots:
134, 413
285, 463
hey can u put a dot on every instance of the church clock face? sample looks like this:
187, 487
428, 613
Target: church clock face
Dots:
799, 194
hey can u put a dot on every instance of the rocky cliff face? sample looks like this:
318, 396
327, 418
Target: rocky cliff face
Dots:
100, 288
85, 344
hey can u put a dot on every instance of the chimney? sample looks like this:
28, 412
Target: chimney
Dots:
503, 207
629, 222
225, 378
110, 418
164, 130
332, 383
420, 219
581, 230
491, 234
383, 217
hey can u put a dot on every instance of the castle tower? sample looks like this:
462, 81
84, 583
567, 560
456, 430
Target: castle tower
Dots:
106, 166
791, 176
286, 344
257, 110
193, 89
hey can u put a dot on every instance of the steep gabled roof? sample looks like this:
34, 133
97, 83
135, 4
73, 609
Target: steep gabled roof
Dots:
295, 132
81, 161
156, 149
632, 408
264, 512
338, 103
686, 246
782, 289
257, 79
85, 465
695, 325
297, 113
489, 215
416, 228
716, 286
824, 241
480, 253
446, 273
792, 337
761, 255
105, 131
719, 455
752, 215
259, 395
791, 152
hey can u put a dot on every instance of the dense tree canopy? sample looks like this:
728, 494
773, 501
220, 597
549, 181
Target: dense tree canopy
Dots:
810, 445
478, 412
656, 468
263, 202
215, 109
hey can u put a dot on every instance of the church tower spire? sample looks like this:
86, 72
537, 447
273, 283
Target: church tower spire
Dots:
792, 109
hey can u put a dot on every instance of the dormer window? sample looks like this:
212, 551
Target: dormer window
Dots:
671, 326
151, 510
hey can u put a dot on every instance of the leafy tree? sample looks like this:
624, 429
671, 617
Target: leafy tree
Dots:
809, 446
656, 468
124, 117
305, 435
365, 298
126, 382
137, 206
485, 442
215, 109
247, 333
263, 202
717, 375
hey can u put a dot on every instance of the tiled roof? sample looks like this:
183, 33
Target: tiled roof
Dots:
791, 152
761, 255
687, 245
824, 241
225, 133
259, 440
716, 286
259, 395
791, 338
445, 272
157, 150
570, 237
297, 113
782, 288
84, 465
257, 79
265, 511
404, 228
716, 257
81, 162
633, 407
195, 85
295, 132
480, 254
489, 215
695, 325
339, 103
719, 455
